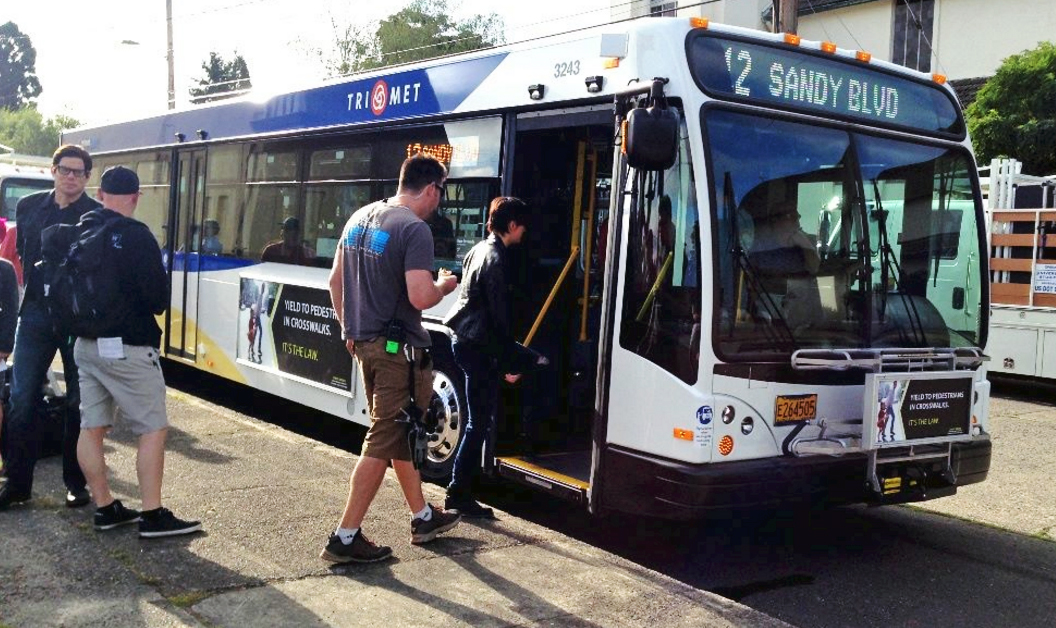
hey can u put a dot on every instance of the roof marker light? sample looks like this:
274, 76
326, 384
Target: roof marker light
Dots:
698, 22
939, 78
863, 56
829, 47
610, 63
792, 39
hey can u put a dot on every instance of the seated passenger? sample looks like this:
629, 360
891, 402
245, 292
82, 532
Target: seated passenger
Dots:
289, 249
786, 259
211, 244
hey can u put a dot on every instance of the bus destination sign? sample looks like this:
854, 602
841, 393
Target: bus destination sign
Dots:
795, 79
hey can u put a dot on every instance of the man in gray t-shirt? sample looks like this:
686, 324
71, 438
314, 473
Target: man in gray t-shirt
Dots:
383, 272
375, 286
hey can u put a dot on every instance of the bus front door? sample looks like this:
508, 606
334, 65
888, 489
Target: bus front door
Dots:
181, 333
561, 169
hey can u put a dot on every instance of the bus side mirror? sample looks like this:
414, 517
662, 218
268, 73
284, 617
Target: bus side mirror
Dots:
651, 138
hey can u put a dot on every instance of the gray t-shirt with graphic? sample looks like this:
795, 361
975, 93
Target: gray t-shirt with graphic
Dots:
380, 243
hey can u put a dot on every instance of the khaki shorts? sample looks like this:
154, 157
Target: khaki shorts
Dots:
133, 386
385, 383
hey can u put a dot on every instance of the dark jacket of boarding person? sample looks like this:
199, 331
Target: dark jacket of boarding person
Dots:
380, 282
119, 362
36, 338
8, 319
484, 346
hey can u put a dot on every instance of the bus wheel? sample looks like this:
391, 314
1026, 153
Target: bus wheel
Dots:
449, 406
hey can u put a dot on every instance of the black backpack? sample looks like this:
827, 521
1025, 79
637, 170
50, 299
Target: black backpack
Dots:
80, 280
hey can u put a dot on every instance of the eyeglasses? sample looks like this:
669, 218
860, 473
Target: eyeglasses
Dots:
64, 171
441, 189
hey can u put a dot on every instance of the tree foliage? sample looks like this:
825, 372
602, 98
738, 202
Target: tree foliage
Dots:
18, 73
27, 132
421, 30
223, 79
1014, 114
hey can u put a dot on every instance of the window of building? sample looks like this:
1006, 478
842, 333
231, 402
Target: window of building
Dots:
662, 9
914, 21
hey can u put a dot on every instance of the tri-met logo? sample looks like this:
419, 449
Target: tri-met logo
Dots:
379, 97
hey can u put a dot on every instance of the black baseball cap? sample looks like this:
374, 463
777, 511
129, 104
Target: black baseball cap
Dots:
119, 180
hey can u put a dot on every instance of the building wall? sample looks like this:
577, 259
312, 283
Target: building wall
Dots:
737, 12
971, 37
860, 27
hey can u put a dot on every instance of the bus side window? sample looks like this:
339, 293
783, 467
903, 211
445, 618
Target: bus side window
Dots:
661, 309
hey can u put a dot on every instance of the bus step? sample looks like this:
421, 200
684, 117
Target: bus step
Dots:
540, 473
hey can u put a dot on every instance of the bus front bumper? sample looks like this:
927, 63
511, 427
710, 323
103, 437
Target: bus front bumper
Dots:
641, 484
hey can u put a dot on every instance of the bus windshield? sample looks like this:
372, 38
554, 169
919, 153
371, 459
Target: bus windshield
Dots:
832, 239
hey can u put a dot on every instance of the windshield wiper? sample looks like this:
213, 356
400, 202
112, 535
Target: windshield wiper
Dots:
889, 263
771, 307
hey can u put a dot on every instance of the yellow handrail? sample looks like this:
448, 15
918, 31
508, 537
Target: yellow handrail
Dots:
553, 294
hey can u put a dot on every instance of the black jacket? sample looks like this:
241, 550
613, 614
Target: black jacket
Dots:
482, 315
32, 214
135, 257
8, 306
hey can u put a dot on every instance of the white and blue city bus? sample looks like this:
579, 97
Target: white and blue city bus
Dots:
754, 261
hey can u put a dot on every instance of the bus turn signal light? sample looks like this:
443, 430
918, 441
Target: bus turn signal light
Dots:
682, 434
726, 445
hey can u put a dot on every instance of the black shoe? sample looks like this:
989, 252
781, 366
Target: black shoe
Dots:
114, 515
469, 508
76, 499
423, 531
161, 523
9, 496
360, 550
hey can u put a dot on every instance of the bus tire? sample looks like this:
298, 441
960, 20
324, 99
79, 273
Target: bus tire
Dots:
448, 403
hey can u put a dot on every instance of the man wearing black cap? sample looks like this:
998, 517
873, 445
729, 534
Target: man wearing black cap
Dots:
290, 249
36, 340
119, 367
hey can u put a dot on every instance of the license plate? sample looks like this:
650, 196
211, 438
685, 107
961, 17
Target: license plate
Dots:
793, 408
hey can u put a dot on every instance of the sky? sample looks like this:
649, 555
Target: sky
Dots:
100, 61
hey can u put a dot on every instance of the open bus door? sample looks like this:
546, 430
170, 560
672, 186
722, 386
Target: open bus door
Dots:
188, 190
561, 166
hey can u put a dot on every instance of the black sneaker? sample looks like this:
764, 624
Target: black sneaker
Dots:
469, 508
76, 499
360, 550
10, 496
423, 531
114, 515
162, 523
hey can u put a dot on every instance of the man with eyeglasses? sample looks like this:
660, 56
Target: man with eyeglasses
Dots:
36, 339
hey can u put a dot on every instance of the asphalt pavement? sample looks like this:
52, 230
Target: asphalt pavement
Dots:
268, 499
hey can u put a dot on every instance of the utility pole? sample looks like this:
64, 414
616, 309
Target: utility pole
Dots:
787, 16
168, 55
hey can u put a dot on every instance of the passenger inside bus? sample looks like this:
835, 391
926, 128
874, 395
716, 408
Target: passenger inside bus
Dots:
786, 260
211, 244
290, 249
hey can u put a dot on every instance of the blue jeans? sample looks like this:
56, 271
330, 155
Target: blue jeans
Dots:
482, 396
35, 344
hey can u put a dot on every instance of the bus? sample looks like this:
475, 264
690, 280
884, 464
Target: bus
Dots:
17, 181
754, 260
